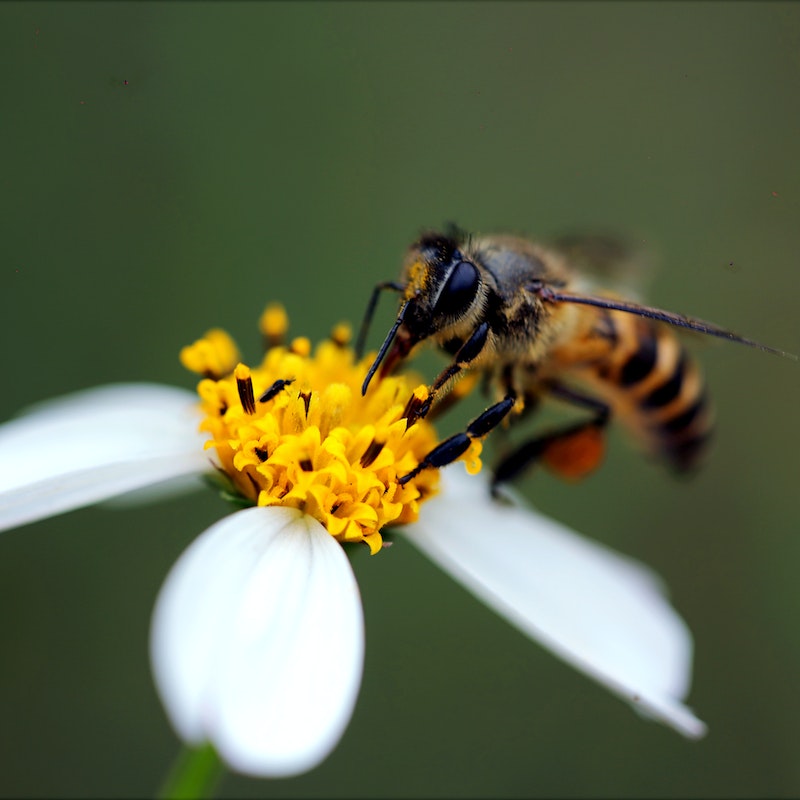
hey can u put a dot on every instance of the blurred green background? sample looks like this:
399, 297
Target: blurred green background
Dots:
169, 167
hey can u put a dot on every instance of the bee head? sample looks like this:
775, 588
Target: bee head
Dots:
442, 292
441, 286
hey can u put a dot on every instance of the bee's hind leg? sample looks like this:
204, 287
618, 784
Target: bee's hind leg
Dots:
571, 452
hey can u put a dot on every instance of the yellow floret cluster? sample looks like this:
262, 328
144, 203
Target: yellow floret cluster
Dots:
295, 431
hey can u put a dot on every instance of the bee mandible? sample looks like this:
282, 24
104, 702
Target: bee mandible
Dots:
518, 314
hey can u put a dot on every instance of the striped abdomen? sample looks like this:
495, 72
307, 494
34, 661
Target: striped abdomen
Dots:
653, 386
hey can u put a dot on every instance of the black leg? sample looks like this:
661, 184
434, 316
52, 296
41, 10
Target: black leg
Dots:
466, 354
462, 389
597, 407
572, 451
450, 449
373, 301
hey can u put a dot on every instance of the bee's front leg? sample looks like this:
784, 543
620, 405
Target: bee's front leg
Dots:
466, 354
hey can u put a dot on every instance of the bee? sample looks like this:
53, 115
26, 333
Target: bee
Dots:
520, 315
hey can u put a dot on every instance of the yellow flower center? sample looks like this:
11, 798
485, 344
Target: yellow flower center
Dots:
295, 431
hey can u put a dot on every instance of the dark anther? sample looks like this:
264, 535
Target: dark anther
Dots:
306, 399
275, 389
253, 483
306, 465
262, 454
416, 408
245, 389
372, 452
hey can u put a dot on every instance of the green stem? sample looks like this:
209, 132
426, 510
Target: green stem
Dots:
195, 774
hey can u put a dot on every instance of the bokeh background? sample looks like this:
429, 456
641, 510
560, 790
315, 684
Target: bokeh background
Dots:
170, 167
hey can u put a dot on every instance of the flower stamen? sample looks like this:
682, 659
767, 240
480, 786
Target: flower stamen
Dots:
372, 452
306, 396
323, 448
341, 334
274, 324
301, 346
244, 385
416, 403
213, 356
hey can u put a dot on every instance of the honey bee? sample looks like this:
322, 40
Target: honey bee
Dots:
521, 316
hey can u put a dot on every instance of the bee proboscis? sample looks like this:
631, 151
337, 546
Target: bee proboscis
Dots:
516, 312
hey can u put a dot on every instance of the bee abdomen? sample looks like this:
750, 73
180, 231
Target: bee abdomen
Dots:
661, 391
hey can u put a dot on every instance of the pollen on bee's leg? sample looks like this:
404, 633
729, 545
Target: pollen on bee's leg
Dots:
372, 452
244, 385
575, 456
274, 323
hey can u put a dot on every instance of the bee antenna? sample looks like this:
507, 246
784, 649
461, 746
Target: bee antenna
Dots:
452, 230
669, 317
387, 343
370, 311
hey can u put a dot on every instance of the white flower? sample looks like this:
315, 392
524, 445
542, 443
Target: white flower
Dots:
258, 638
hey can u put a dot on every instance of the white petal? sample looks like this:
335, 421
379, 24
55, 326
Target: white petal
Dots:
257, 641
603, 613
96, 444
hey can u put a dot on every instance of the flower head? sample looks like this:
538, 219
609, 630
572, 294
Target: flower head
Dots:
296, 432
258, 637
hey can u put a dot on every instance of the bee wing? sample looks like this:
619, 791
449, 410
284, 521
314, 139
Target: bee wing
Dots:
615, 263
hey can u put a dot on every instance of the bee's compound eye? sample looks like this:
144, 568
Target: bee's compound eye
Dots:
459, 290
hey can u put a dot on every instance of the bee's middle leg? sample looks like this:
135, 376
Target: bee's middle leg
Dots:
466, 354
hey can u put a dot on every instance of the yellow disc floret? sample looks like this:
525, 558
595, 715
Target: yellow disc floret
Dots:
274, 322
214, 355
296, 431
